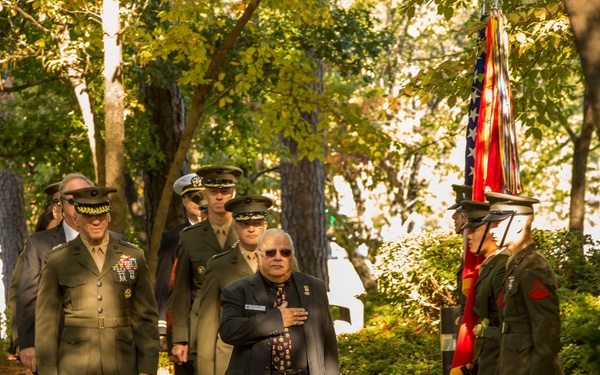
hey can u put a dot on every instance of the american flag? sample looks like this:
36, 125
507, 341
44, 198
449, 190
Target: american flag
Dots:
491, 160
474, 106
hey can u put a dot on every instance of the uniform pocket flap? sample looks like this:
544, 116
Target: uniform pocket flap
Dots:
74, 336
72, 280
517, 342
124, 335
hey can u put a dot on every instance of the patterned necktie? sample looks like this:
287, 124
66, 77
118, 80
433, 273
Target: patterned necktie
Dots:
282, 344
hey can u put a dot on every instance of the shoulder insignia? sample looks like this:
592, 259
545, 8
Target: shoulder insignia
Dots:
539, 290
186, 228
193, 226
59, 246
221, 254
128, 244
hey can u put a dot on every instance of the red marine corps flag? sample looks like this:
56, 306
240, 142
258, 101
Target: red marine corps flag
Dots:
491, 159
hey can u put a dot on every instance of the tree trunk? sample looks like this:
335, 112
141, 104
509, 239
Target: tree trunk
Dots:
358, 262
303, 212
581, 151
197, 109
12, 222
585, 24
114, 110
167, 108
76, 77
303, 201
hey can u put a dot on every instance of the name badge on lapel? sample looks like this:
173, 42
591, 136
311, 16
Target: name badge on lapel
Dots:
255, 307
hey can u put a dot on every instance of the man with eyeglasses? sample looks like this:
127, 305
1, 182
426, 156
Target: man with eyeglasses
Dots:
249, 223
530, 340
197, 244
36, 247
186, 186
278, 320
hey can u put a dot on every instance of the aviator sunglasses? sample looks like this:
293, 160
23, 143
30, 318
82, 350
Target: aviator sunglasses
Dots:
270, 253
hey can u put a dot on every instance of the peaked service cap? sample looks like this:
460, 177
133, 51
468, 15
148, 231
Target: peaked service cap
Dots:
504, 205
476, 212
250, 207
219, 176
92, 201
52, 190
190, 183
463, 192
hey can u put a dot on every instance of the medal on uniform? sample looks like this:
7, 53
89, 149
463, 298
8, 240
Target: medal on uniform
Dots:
306, 290
511, 279
125, 264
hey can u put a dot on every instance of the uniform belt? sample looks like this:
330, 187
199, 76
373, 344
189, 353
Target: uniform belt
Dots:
291, 371
508, 327
489, 332
100, 322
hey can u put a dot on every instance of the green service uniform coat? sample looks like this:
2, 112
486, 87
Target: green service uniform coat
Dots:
222, 269
110, 315
488, 289
531, 327
197, 244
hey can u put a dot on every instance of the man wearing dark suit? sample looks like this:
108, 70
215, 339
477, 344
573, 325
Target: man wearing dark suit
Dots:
185, 186
249, 223
56, 208
102, 286
278, 320
197, 244
36, 247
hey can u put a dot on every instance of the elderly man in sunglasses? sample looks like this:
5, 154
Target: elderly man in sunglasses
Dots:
278, 320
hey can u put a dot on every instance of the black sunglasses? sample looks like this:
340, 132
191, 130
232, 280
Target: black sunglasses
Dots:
69, 200
270, 253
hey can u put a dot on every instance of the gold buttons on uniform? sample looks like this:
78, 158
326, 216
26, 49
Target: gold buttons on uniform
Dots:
127, 293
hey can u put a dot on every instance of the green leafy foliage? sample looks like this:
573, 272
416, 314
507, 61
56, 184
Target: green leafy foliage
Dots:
417, 273
393, 350
575, 259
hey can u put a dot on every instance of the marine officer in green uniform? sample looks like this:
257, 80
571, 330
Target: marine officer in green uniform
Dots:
488, 287
249, 223
197, 244
530, 309
102, 285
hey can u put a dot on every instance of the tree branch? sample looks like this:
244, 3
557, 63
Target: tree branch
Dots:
28, 17
28, 85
